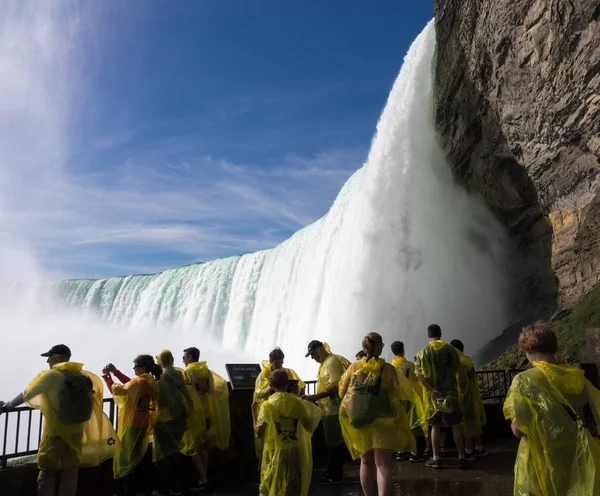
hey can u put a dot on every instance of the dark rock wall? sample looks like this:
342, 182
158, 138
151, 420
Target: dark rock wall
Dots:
518, 109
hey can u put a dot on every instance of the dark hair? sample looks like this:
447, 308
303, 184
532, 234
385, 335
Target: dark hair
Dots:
360, 354
458, 344
279, 379
193, 352
146, 362
370, 341
434, 331
276, 354
398, 348
538, 338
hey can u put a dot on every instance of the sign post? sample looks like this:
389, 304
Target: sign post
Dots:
242, 376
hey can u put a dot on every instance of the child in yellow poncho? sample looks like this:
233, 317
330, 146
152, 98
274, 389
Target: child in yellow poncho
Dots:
286, 423
262, 388
556, 413
374, 421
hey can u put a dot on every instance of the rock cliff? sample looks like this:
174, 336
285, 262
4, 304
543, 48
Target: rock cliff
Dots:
518, 109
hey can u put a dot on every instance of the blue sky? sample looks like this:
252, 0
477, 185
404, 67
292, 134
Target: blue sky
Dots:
141, 135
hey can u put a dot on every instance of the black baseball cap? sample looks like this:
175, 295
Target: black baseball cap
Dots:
59, 349
312, 346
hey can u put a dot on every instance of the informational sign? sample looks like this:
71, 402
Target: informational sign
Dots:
242, 376
592, 341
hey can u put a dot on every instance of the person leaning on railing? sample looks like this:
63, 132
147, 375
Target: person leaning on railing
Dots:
77, 432
136, 401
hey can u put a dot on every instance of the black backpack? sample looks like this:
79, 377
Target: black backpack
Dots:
76, 399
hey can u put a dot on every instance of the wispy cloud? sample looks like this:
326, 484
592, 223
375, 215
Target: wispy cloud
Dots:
115, 203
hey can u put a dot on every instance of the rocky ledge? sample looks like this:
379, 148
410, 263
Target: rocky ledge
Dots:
518, 110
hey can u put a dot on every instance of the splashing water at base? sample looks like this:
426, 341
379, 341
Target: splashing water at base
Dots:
402, 247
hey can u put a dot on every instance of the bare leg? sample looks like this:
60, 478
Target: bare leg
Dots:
68, 482
199, 464
468, 443
436, 439
458, 440
46, 482
368, 474
383, 462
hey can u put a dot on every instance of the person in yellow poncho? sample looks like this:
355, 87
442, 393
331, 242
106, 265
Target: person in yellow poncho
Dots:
136, 401
262, 388
331, 370
286, 422
556, 413
373, 419
436, 367
414, 406
76, 430
472, 406
180, 423
214, 396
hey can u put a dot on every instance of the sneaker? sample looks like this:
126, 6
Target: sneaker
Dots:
431, 463
469, 457
415, 458
481, 452
400, 457
463, 463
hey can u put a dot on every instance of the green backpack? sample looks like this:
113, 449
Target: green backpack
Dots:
76, 399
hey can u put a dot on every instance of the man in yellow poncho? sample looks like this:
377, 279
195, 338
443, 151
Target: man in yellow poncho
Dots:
263, 389
556, 413
472, 405
414, 406
331, 370
76, 430
214, 395
286, 423
436, 367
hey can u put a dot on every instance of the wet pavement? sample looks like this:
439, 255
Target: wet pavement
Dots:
489, 476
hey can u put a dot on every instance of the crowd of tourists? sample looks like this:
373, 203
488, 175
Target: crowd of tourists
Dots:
369, 409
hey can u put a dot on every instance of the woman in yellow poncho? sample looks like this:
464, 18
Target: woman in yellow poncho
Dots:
374, 421
136, 400
414, 406
556, 413
214, 396
262, 388
286, 422
180, 423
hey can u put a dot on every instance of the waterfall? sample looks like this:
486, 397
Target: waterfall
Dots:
401, 247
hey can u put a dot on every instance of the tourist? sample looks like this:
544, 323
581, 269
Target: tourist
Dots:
214, 395
175, 419
286, 423
436, 367
472, 407
373, 419
263, 389
136, 402
556, 412
414, 406
76, 430
331, 370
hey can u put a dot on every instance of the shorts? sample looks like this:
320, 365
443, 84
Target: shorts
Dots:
440, 418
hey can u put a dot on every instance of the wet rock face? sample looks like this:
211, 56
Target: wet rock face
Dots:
518, 109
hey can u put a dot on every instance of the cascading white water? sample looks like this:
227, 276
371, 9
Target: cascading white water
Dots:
402, 247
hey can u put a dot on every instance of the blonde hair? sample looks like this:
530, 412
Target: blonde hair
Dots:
369, 343
165, 358
538, 338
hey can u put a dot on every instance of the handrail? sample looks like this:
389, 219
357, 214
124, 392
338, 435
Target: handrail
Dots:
21, 439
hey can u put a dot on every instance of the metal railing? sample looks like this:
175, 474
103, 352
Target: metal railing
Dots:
21, 428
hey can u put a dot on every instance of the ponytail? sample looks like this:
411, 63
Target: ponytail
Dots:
147, 363
156, 371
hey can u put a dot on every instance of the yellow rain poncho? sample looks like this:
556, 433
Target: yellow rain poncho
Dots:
372, 413
413, 406
473, 417
286, 468
558, 410
439, 363
76, 430
262, 390
214, 394
136, 403
330, 373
